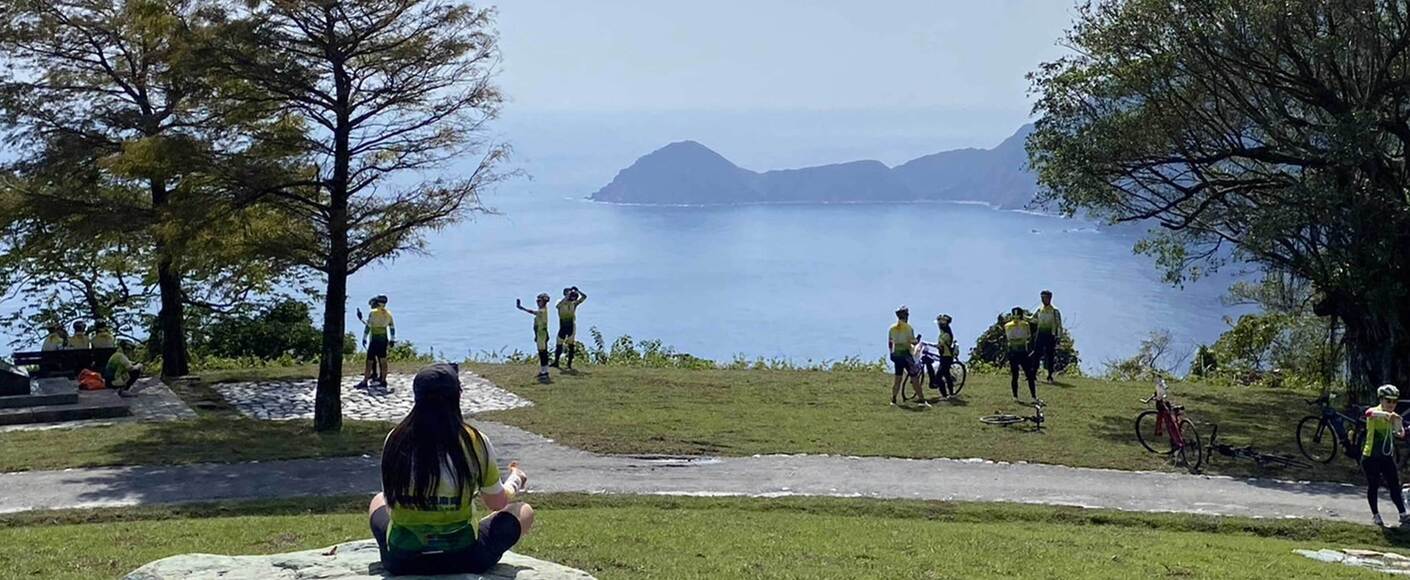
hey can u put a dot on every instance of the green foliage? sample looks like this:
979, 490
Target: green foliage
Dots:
282, 329
1284, 344
1153, 360
1248, 131
991, 351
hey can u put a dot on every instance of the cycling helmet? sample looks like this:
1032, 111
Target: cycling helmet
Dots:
544, 296
904, 309
1017, 310
378, 299
1388, 392
945, 318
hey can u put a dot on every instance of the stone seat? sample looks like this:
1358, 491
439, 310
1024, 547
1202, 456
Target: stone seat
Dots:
351, 561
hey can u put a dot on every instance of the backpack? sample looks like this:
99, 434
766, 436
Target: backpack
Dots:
91, 381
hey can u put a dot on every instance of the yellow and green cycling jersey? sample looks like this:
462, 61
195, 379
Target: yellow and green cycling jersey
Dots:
379, 321
902, 336
567, 310
541, 328
451, 525
1380, 434
1049, 319
1017, 332
946, 343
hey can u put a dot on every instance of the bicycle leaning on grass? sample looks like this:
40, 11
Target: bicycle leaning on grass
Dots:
1168, 421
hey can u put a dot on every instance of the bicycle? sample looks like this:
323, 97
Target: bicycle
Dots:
1006, 419
1320, 436
1169, 420
930, 363
1248, 452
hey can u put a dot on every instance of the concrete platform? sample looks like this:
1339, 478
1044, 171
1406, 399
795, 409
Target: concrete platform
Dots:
43, 392
104, 404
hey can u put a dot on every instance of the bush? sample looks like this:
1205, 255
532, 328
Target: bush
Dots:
991, 350
281, 330
1153, 360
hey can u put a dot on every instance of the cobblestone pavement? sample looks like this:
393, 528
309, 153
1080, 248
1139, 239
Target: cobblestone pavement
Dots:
283, 400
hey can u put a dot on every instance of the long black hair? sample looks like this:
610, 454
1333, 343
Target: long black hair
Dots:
433, 434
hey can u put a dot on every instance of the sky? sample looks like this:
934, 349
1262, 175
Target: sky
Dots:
771, 84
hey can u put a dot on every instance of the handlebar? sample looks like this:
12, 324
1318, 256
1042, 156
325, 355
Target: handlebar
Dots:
1147, 400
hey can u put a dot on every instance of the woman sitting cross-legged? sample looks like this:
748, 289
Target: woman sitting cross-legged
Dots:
434, 464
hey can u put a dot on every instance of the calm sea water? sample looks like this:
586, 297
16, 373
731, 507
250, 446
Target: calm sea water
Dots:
800, 282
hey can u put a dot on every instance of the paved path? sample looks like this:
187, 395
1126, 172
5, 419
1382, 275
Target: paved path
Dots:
557, 468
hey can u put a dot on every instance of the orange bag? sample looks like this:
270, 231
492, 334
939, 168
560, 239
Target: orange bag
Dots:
91, 381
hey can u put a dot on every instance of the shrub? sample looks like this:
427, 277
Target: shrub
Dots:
279, 330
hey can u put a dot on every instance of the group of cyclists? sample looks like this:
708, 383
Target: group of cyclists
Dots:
567, 328
1031, 338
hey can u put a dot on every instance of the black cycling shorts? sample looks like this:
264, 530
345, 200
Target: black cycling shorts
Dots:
903, 362
377, 347
495, 538
566, 329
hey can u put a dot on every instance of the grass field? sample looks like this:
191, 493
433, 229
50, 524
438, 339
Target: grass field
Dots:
656, 537
729, 412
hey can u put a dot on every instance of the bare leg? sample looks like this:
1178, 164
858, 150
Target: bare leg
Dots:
367, 372
378, 501
915, 382
382, 362
520, 510
895, 388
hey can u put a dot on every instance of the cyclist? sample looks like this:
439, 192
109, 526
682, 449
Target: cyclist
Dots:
79, 339
540, 332
568, 324
945, 343
383, 332
103, 336
57, 338
900, 339
1383, 426
1018, 332
1049, 322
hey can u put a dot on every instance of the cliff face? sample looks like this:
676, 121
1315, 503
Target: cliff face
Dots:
690, 173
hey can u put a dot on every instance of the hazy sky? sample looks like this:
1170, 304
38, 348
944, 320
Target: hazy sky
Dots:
592, 85
776, 54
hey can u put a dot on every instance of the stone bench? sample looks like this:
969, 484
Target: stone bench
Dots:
65, 362
350, 561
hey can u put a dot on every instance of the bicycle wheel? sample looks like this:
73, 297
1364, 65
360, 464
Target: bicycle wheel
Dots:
1192, 452
1282, 461
1146, 424
1316, 439
959, 372
1000, 419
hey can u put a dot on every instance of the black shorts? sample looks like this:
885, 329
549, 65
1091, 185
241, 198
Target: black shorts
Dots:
904, 363
495, 538
566, 329
377, 347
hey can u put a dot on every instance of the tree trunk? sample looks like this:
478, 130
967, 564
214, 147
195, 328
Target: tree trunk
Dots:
328, 399
171, 319
1377, 352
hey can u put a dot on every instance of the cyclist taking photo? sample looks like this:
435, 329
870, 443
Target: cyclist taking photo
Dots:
1383, 426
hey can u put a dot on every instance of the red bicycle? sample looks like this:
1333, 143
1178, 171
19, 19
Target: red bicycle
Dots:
1168, 421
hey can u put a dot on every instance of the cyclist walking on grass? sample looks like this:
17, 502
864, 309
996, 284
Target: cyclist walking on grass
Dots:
900, 339
945, 343
1018, 332
540, 332
1049, 322
1383, 426
567, 324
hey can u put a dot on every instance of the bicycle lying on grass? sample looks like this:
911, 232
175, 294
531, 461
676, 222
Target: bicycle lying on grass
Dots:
1248, 452
1168, 421
1005, 419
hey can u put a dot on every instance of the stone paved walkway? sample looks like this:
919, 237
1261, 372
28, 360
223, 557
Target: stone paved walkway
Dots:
556, 468
283, 400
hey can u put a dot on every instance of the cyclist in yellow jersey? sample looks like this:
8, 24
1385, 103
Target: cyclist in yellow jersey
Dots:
540, 332
1383, 427
56, 339
79, 339
103, 337
1049, 322
1018, 333
568, 324
382, 330
944, 342
434, 466
900, 340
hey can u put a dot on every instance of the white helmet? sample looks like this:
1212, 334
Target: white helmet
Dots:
1388, 392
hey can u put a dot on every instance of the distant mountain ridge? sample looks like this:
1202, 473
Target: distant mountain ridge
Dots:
688, 173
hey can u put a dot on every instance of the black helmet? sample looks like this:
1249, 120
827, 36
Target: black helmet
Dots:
1017, 310
378, 299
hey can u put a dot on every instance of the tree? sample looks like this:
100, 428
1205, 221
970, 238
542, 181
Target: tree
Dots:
372, 96
100, 100
1154, 359
1250, 130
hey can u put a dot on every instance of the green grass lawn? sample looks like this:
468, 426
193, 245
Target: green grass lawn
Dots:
656, 537
746, 412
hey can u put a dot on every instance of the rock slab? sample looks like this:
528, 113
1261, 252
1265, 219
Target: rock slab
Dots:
1387, 562
350, 561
